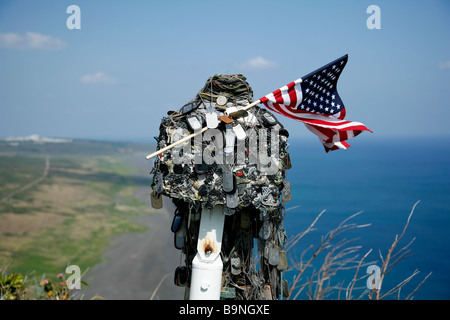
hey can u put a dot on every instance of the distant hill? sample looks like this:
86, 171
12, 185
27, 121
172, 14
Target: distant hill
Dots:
41, 145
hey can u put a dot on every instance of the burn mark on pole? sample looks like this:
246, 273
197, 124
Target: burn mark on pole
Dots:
209, 246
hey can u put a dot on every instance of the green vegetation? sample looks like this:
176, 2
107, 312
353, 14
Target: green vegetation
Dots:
15, 286
71, 214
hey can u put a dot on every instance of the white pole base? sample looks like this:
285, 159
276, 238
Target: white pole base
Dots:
206, 276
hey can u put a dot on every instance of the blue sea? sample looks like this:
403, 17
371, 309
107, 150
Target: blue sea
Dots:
384, 177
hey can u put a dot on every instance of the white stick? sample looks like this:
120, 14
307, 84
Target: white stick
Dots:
191, 135
251, 105
175, 144
207, 266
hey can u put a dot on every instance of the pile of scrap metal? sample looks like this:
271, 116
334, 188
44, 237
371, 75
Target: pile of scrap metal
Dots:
240, 163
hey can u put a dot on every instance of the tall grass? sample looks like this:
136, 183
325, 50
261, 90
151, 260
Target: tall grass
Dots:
317, 266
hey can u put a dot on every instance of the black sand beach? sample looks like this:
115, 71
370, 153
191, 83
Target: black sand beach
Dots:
139, 266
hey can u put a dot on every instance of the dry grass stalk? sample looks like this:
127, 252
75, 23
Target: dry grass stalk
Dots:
343, 256
340, 256
391, 260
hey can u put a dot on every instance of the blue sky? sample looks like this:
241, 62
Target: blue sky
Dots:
132, 61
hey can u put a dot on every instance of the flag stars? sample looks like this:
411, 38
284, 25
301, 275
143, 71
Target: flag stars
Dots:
319, 94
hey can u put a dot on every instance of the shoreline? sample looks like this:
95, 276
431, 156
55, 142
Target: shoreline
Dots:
135, 264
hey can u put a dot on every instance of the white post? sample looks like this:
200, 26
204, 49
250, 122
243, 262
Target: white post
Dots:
206, 276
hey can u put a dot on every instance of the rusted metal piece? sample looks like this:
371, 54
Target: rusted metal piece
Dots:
209, 245
225, 119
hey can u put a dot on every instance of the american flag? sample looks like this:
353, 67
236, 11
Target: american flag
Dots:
314, 100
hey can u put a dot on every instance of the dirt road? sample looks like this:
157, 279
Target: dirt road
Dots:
32, 183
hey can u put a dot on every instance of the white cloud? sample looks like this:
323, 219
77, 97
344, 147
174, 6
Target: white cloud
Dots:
259, 63
98, 78
30, 40
444, 65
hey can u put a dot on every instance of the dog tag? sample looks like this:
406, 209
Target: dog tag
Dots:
267, 291
179, 236
264, 232
285, 285
158, 182
283, 264
156, 199
230, 137
286, 192
194, 124
239, 131
235, 262
274, 255
176, 222
232, 200
181, 276
267, 247
212, 121
228, 181
287, 162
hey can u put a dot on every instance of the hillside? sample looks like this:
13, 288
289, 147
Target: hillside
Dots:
62, 202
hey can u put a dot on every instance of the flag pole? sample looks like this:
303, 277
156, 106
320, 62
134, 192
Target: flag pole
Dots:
158, 152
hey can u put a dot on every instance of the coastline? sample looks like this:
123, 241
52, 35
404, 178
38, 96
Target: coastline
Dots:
135, 264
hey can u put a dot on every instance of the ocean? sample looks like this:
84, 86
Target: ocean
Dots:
384, 178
